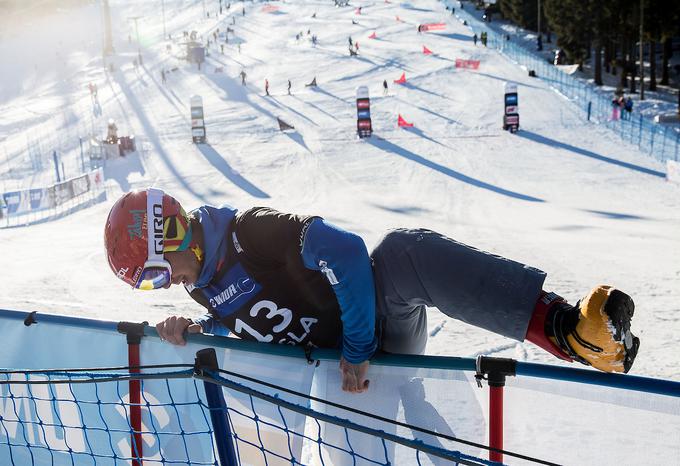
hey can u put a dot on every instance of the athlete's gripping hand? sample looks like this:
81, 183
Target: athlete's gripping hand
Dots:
172, 329
354, 376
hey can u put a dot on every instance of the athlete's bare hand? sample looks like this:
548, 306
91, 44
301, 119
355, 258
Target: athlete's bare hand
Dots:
354, 376
172, 329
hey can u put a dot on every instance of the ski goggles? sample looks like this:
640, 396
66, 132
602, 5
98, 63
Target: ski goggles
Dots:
156, 272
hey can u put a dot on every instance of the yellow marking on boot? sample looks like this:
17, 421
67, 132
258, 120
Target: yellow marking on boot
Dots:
595, 329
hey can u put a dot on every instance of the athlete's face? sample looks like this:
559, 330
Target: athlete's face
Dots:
185, 267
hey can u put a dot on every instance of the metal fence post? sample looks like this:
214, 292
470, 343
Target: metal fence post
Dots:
206, 359
494, 371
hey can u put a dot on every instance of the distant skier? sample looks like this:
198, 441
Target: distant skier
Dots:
315, 284
163, 76
266, 86
289, 86
350, 41
243, 11
243, 77
474, 38
628, 107
385, 88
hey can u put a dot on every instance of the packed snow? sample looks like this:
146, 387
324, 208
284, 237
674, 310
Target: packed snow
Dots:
563, 195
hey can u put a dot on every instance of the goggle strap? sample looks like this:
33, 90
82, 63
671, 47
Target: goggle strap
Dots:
154, 198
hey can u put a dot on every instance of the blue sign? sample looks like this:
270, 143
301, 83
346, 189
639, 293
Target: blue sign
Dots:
12, 201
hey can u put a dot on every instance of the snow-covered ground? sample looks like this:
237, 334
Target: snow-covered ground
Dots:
562, 195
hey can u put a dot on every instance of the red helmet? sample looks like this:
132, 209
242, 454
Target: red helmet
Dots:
129, 249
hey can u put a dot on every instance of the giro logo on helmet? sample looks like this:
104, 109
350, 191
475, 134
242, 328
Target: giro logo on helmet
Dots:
158, 228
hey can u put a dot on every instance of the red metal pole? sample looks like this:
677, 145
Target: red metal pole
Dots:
135, 407
496, 422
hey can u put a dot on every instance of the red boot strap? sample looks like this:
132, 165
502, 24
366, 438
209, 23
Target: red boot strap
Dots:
536, 330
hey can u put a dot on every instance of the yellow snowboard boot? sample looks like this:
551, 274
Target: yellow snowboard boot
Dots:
595, 332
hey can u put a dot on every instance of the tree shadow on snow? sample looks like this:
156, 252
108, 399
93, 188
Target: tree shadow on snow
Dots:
119, 169
419, 132
409, 85
615, 215
431, 112
297, 137
506, 80
150, 131
455, 36
400, 151
217, 161
291, 109
586, 153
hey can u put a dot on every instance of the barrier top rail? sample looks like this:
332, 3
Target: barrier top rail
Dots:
526, 369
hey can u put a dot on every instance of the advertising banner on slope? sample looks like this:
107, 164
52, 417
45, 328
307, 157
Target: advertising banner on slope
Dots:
63, 192
80, 185
42, 198
84, 422
17, 202
364, 126
96, 179
511, 111
467, 64
431, 27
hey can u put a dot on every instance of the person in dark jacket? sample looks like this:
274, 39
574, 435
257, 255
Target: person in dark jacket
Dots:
274, 277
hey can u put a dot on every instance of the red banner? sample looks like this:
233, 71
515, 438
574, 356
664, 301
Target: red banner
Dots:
432, 27
401, 80
468, 64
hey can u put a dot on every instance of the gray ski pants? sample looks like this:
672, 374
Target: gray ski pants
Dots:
418, 268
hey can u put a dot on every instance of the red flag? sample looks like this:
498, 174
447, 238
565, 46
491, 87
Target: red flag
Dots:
427, 51
401, 80
373, 36
403, 123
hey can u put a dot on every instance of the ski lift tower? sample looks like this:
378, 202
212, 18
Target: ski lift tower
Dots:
139, 47
106, 17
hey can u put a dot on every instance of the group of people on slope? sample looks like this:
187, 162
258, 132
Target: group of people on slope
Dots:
621, 107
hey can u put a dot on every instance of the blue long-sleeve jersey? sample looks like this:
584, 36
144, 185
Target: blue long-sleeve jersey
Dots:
282, 278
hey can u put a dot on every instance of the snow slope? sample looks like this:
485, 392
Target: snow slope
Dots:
562, 195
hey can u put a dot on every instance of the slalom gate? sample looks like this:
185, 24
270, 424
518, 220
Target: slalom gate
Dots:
81, 392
